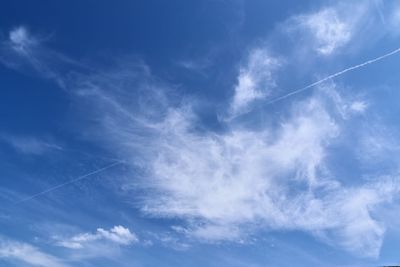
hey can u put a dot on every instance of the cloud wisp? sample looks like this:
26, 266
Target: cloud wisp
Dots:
337, 74
30, 145
328, 30
85, 176
28, 254
118, 235
227, 185
255, 80
27, 53
337, 28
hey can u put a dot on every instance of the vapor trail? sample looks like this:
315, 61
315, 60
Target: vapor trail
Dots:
333, 76
69, 182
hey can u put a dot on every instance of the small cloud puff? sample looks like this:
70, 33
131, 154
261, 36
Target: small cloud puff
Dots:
118, 235
358, 106
331, 28
21, 39
28, 53
330, 32
254, 80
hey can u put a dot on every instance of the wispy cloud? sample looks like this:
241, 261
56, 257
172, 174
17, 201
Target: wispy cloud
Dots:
329, 31
337, 74
255, 79
338, 28
169, 239
28, 254
118, 235
358, 106
21, 40
29, 144
27, 53
227, 185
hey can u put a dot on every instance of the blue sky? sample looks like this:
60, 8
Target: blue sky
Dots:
199, 133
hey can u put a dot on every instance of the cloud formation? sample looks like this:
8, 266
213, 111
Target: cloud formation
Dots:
21, 40
29, 145
227, 185
255, 79
329, 31
27, 52
340, 27
28, 254
118, 235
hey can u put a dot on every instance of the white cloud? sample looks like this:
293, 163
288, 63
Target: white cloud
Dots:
28, 254
118, 235
27, 52
254, 80
346, 106
21, 40
235, 177
29, 144
229, 184
21, 49
247, 177
342, 26
197, 66
226, 185
169, 240
329, 30
358, 106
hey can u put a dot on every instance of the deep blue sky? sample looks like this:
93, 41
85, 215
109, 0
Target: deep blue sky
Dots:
178, 133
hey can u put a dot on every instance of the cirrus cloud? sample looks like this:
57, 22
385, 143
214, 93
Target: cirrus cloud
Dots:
118, 235
28, 254
227, 185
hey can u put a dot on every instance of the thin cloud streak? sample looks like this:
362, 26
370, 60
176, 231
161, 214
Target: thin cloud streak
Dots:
371, 61
69, 182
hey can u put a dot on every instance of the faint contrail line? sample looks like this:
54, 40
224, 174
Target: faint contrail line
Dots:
333, 76
69, 182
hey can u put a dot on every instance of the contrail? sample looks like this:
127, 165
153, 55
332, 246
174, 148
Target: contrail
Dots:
333, 76
69, 182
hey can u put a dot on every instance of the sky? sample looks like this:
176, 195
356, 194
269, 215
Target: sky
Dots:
199, 133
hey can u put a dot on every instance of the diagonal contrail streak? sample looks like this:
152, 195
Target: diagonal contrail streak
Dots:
333, 76
69, 182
